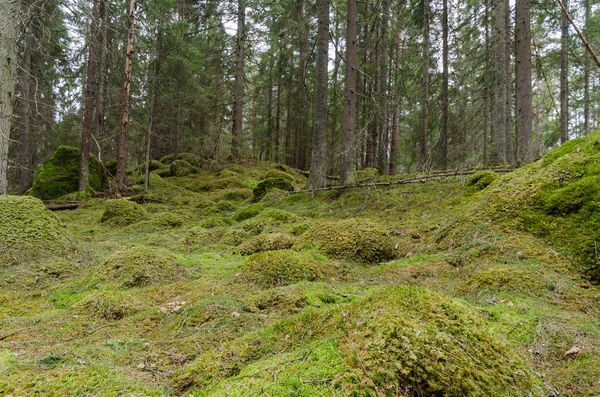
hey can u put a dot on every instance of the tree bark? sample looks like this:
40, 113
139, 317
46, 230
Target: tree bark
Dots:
445, 104
90, 98
510, 149
349, 112
318, 162
498, 154
587, 68
8, 69
238, 91
523, 87
122, 149
425, 106
25, 152
99, 128
396, 113
382, 156
564, 79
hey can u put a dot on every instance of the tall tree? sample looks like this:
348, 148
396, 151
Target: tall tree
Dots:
587, 67
444, 130
523, 87
349, 112
564, 77
25, 155
318, 164
510, 146
90, 96
425, 106
498, 154
238, 91
8, 67
122, 148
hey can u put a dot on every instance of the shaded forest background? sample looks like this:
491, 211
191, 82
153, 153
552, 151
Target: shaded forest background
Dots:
429, 81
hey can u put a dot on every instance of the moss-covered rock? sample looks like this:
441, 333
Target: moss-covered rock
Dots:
27, 229
140, 266
268, 184
216, 221
356, 239
480, 181
266, 242
222, 183
283, 267
107, 305
274, 173
60, 175
182, 168
235, 194
248, 212
123, 212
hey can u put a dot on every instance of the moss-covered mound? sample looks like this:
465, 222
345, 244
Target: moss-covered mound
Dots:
266, 242
197, 237
167, 220
506, 277
222, 183
108, 305
274, 173
356, 239
27, 229
234, 237
268, 184
480, 180
248, 212
139, 266
556, 198
216, 221
182, 168
60, 175
123, 212
275, 268
235, 194
404, 341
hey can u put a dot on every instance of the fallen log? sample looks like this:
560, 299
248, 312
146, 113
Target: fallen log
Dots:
62, 207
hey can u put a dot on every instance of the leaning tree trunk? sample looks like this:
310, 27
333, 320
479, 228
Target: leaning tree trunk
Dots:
523, 88
238, 91
90, 98
8, 70
318, 162
122, 151
349, 112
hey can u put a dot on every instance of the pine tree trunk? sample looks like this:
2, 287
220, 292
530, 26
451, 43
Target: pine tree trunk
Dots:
8, 69
238, 91
90, 97
383, 163
333, 155
523, 88
122, 149
510, 150
98, 129
26, 163
425, 117
564, 79
498, 155
318, 162
587, 68
396, 113
349, 112
445, 104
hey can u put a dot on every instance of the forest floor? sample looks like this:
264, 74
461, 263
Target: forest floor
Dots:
450, 299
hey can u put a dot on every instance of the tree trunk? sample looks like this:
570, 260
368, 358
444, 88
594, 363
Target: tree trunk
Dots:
238, 91
396, 112
487, 91
587, 68
8, 69
498, 154
523, 88
122, 149
445, 104
318, 162
25, 152
510, 150
349, 112
564, 79
90, 98
333, 155
425, 130
382, 157
98, 128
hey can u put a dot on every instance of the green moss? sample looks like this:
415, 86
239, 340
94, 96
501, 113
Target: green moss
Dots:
123, 212
268, 184
140, 266
57, 268
153, 208
108, 305
274, 173
567, 148
222, 183
154, 165
290, 298
216, 221
27, 229
225, 206
236, 168
367, 173
248, 212
507, 278
60, 175
166, 220
197, 237
357, 239
235, 194
266, 242
571, 198
182, 168
111, 167
191, 158
280, 215
258, 224
480, 181
283, 267
226, 173
234, 237
298, 229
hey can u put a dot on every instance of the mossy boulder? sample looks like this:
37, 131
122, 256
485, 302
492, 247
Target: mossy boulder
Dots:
121, 212
266, 242
283, 267
140, 266
235, 194
274, 173
190, 158
480, 181
248, 212
60, 175
402, 340
27, 229
222, 183
182, 168
107, 305
356, 239
266, 185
